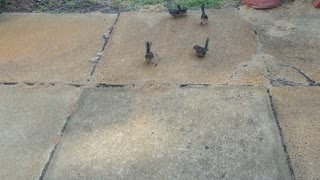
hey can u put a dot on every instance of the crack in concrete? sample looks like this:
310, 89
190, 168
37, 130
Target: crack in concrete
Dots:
259, 51
285, 149
269, 74
309, 80
103, 85
260, 46
284, 82
76, 85
106, 37
52, 153
280, 81
46, 166
232, 74
29, 83
9, 83
39, 83
193, 85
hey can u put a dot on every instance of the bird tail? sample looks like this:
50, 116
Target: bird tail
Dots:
202, 9
148, 46
207, 43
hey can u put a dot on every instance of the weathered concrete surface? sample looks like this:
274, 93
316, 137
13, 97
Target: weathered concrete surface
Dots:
232, 42
50, 47
284, 75
300, 47
30, 122
253, 72
299, 115
171, 133
291, 35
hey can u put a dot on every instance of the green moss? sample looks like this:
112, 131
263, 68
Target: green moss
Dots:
58, 6
42, 9
70, 3
88, 3
135, 4
195, 4
3, 3
191, 4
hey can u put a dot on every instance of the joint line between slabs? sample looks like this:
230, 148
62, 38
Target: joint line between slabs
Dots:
52, 153
104, 44
285, 149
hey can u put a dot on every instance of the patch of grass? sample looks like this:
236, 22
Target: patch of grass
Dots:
81, 3
70, 3
58, 6
3, 3
195, 4
89, 2
136, 4
41, 9
57, 11
190, 4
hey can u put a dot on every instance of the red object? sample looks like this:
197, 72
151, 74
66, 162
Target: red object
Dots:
262, 4
316, 3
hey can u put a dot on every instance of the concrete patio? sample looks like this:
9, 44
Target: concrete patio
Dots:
78, 100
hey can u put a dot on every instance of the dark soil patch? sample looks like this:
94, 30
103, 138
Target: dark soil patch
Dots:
58, 6
104, 6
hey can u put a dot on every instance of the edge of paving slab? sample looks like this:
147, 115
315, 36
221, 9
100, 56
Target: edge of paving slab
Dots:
50, 88
106, 37
146, 86
52, 153
285, 149
106, 24
46, 166
262, 49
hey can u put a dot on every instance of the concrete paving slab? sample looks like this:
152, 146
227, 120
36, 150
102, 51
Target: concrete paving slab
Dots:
290, 34
50, 47
159, 132
299, 116
296, 43
283, 75
232, 42
31, 119
253, 72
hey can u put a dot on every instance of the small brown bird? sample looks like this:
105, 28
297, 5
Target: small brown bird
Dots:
202, 51
149, 54
204, 17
